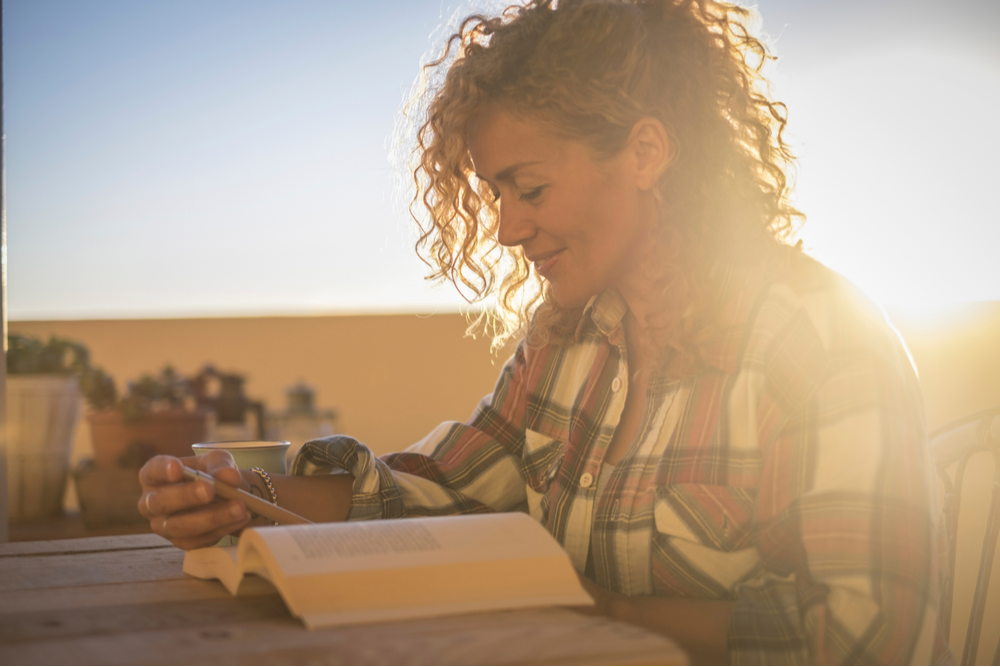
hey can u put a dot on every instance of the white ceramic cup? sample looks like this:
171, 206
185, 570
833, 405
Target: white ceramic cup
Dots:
266, 454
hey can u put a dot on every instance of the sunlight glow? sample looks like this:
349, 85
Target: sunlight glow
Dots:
160, 154
897, 173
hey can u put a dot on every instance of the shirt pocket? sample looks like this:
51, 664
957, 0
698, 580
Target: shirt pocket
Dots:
716, 516
542, 457
703, 544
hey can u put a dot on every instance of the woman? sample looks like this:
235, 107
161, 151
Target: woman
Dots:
728, 442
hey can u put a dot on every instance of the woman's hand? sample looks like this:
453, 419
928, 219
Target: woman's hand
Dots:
603, 598
188, 513
701, 627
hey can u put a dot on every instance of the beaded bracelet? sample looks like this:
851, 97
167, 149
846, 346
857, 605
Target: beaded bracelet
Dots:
270, 487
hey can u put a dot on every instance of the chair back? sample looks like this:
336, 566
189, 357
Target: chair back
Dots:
955, 443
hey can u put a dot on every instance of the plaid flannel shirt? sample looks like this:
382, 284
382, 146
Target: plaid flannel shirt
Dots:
791, 474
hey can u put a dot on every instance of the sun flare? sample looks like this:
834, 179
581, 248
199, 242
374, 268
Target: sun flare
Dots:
898, 193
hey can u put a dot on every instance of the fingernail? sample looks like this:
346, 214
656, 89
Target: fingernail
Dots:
236, 511
203, 493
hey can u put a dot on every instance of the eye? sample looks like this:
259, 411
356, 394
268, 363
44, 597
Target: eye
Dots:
532, 195
489, 186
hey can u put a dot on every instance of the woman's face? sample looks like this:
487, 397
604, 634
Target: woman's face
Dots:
581, 223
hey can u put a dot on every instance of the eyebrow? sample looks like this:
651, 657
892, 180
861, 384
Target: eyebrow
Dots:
506, 173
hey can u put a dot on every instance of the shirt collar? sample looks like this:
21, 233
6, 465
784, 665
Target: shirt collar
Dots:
605, 311
739, 290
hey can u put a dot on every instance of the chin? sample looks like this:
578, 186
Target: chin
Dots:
570, 298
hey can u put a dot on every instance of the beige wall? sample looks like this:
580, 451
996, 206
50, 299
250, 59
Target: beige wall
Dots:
958, 357
393, 378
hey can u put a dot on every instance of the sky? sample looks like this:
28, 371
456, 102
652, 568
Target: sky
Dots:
178, 158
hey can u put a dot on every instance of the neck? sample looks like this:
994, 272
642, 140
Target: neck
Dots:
641, 354
636, 290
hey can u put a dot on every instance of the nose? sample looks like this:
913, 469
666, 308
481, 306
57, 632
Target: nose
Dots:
515, 225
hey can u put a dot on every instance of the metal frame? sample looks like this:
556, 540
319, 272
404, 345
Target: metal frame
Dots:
959, 441
4, 529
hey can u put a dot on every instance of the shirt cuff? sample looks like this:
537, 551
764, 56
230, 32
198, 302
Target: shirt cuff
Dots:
376, 494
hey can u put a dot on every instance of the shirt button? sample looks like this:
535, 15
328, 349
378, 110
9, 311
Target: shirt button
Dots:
616, 384
586, 479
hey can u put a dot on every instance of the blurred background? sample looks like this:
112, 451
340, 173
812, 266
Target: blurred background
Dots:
190, 160
178, 159
194, 183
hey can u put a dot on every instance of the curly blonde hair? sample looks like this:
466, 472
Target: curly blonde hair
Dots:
589, 70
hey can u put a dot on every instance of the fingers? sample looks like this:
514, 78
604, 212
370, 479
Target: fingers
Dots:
188, 513
164, 489
161, 470
220, 464
201, 528
172, 498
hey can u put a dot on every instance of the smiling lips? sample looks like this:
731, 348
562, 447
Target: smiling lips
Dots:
544, 263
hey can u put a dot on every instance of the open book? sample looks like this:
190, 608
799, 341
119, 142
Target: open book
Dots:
369, 571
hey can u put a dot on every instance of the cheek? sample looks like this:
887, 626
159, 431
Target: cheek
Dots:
596, 219
611, 221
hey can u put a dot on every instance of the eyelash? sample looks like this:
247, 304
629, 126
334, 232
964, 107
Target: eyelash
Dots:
528, 196
532, 195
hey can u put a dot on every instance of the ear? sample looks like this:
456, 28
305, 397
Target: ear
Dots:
650, 145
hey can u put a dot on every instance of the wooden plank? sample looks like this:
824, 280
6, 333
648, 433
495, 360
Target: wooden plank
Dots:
550, 636
68, 526
82, 545
135, 593
90, 568
128, 602
56, 624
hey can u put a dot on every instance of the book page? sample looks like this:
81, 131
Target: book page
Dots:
228, 564
393, 543
347, 573
372, 539
215, 563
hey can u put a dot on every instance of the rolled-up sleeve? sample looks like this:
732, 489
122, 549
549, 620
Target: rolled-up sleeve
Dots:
457, 469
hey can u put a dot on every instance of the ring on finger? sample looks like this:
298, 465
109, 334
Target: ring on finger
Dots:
148, 508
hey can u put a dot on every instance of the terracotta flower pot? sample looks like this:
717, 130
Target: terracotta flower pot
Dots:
42, 412
129, 444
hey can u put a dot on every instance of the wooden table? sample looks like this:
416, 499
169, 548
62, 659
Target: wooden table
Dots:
69, 526
124, 600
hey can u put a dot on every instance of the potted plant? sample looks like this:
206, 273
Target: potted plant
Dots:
156, 415
43, 407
